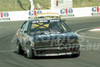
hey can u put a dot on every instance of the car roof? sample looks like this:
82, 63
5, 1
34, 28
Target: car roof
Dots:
48, 14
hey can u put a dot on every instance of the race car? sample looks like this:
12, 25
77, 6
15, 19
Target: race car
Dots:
47, 37
48, 15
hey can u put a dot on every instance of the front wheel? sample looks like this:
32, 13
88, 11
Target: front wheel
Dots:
30, 53
19, 49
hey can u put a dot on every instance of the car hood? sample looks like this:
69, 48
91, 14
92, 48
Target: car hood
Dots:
54, 36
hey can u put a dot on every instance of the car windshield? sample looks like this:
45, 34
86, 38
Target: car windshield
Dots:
48, 26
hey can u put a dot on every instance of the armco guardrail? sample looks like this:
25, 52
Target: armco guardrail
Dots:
65, 13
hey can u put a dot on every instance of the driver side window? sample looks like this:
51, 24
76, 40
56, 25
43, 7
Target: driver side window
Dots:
25, 26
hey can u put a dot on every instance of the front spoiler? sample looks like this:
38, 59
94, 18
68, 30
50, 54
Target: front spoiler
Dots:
58, 54
55, 54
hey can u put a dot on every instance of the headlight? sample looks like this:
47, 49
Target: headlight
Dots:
77, 41
35, 44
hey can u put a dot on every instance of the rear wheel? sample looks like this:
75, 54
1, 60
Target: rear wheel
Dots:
19, 49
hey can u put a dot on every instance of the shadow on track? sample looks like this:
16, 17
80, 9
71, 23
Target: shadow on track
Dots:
46, 58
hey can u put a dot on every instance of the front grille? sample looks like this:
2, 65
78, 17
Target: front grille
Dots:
55, 51
55, 43
50, 51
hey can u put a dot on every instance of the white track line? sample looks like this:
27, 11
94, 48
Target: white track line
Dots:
85, 36
94, 30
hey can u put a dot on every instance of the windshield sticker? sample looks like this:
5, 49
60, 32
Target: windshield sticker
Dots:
54, 20
43, 21
39, 21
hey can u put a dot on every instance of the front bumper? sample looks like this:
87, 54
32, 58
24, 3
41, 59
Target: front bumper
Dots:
55, 51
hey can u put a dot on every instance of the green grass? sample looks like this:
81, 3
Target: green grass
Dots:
13, 5
86, 3
45, 4
19, 5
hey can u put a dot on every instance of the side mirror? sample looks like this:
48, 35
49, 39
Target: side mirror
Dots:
21, 30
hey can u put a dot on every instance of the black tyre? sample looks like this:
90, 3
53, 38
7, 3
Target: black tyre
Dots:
19, 49
30, 53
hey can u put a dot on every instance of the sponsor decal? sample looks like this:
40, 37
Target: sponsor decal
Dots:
43, 21
4, 16
38, 12
67, 12
34, 13
95, 11
39, 21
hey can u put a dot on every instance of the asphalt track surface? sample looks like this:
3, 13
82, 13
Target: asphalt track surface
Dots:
9, 57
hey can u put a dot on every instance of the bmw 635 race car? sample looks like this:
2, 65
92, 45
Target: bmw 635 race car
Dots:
47, 37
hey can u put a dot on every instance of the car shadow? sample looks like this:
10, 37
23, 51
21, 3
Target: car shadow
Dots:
43, 57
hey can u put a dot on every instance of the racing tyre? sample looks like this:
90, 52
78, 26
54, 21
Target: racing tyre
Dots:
19, 49
30, 54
